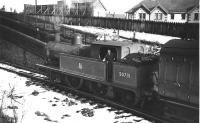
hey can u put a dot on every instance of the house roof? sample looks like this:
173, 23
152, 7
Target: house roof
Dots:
191, 9
99, 4
161, 8
139, 6
171, 6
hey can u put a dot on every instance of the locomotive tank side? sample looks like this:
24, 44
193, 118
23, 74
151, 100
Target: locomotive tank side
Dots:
133, 76
83, 67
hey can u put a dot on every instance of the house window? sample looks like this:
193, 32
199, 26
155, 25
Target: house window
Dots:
158, 16
142, 16
196, 16
183, 16
172, 16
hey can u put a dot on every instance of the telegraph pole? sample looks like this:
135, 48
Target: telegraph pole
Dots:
35, 6
64, 10
64, 2
35, 11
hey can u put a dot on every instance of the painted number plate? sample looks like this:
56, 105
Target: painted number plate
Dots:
125, 75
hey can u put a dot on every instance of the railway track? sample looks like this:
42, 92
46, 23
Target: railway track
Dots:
44, 80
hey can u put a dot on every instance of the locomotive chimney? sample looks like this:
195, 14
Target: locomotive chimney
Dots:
57, 34
77, 39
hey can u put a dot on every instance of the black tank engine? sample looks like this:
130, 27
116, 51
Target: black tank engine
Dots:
123, 71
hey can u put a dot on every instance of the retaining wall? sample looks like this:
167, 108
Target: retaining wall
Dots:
14, 54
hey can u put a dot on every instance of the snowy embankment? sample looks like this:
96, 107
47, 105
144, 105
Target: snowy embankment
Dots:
29, 102
101, 32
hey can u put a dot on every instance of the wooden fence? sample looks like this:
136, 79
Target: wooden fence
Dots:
183, 30
30, 20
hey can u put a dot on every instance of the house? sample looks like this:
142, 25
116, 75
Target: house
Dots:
180, 11
88, 8
193, 14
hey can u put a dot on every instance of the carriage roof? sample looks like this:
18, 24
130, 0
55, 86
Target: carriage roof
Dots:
181, 47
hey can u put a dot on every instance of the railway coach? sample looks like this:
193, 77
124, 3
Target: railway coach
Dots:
178, 83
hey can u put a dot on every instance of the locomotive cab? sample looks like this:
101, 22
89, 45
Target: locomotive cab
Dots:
120, 49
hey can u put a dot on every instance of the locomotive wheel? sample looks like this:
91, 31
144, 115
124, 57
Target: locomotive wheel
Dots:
117, 94
53, 77
128, 98
64, 80
74, 82
99, 89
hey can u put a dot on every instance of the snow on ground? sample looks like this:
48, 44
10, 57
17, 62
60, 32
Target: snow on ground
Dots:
36, 104
162, 39
21, 70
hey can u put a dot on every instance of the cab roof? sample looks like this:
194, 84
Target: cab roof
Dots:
112, 43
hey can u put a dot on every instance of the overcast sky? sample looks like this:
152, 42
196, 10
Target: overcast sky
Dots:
117, 6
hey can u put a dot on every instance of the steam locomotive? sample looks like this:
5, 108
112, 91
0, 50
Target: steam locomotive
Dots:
168, 83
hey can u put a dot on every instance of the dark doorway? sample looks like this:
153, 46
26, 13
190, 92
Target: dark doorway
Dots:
103, 51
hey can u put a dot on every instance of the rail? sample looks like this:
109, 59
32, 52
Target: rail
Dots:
151, 117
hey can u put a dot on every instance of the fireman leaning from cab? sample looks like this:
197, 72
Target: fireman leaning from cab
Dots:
109, 58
